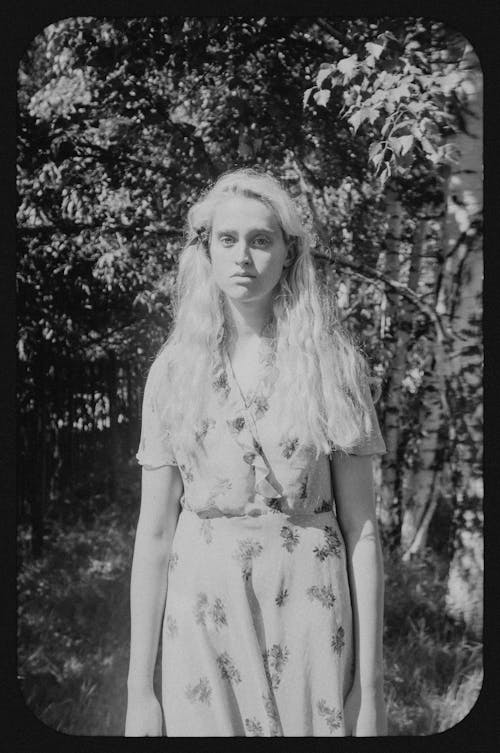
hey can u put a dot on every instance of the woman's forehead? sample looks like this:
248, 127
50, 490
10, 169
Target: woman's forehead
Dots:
243, 212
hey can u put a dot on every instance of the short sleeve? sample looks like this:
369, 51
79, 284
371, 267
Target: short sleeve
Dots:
372, 442
155, 447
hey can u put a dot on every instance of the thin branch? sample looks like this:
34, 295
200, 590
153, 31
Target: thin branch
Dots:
371, 275
306, 188
326, 26
69, 228
348, 312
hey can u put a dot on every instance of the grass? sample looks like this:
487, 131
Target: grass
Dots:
74, 630
433, 666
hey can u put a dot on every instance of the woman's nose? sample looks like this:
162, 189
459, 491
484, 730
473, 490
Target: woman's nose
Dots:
242, 254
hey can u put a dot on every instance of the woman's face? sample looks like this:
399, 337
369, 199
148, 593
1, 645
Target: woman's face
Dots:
247, 249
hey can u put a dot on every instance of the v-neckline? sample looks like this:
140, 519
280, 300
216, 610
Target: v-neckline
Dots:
246, 400
265, 378
247, 435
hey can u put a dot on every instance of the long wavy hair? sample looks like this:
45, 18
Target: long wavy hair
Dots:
321, 379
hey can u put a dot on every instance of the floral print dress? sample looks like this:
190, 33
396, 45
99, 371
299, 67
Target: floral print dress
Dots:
257, 633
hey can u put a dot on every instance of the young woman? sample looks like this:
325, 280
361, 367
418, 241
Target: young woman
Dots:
257, 540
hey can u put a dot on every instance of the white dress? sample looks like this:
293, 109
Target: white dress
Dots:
257, 632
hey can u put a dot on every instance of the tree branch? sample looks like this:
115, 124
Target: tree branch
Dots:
371, 275
69, 228
326, 26
306, 188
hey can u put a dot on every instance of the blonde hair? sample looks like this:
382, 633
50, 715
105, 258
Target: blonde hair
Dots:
321, 383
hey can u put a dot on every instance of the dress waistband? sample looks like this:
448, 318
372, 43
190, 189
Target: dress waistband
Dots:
259, 515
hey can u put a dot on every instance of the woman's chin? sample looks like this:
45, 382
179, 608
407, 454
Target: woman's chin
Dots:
242, 288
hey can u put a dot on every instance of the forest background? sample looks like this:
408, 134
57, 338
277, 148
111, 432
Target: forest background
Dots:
375, 127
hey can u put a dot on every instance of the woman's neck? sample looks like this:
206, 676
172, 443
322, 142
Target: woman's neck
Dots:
246, 321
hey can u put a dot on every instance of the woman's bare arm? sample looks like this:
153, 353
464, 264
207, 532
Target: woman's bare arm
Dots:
160, 506
352, 479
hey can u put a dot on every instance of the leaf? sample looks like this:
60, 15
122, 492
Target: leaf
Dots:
322, 97
402, 144
403, 125
373, 113
427, 146
347, 66
376, 159
374, 149
416, 107
307, 95
356, 119
401, 91
374, 49
364, 113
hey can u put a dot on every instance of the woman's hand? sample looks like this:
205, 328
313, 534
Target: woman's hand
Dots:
364, 712
144, 715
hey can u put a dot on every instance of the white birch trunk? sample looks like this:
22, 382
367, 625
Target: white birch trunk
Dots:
389, 503
461, 300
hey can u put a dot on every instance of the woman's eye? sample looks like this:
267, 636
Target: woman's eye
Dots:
261, 241
226, 240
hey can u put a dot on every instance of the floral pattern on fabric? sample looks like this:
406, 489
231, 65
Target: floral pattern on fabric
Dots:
227, 668
275, 504
331, 547
272, 715
323, 594
275, 659
247, 550
210, 615
338, 641
259, 596
288, 447
290, 538
202, 432
254, 727
324, 506
201, 691
281, 597
236, 424
332, 716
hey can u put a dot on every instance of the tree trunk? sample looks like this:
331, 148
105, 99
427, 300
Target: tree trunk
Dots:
39, 461
462, 299
389, 508
423, 483
113, 426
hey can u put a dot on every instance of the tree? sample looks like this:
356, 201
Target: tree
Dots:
414, 91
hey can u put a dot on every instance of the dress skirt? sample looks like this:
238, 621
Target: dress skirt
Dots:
257, 634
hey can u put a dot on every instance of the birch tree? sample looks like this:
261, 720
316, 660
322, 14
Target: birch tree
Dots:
407, 91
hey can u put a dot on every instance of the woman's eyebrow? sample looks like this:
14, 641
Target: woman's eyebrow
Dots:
229, 231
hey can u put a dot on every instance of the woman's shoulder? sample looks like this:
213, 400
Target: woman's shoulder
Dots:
157, 378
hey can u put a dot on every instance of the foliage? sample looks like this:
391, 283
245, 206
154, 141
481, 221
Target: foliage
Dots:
402, 86
121, 123
73, 619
